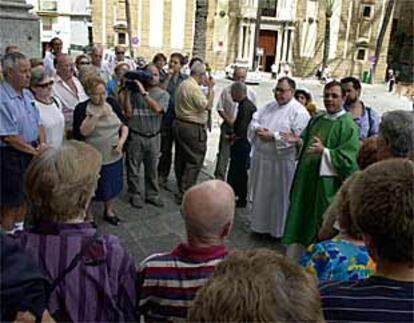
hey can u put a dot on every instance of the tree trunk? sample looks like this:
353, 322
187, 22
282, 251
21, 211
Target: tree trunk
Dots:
256, 36
128, 19
327, 41
200, 29
380, 40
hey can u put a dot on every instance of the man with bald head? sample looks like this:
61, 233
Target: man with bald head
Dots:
227, 109
169, 281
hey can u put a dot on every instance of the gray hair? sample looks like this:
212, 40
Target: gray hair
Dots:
198, 68
10, 61
398, 128
238, 88
38, 74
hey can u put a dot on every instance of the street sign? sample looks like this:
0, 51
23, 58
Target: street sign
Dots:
259, 51
372, 59
135, 41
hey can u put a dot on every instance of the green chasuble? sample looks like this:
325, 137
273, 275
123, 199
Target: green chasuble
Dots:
311, 193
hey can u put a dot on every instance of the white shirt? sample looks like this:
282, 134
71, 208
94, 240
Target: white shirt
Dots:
68, 98
290, 117
49, 65
53, 121
226, 103
109, 66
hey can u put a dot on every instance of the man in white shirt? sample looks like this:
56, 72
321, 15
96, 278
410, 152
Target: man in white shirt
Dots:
96, 60
67, 88
227, 109
55, 46
110, 65
273, 160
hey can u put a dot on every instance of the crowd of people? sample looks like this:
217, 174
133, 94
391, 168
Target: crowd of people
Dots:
335, 186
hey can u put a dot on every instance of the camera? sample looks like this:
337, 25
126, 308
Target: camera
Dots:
140, 75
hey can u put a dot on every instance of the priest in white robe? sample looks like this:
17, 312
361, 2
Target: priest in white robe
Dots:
273, 159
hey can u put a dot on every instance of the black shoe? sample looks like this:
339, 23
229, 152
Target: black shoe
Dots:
114, 220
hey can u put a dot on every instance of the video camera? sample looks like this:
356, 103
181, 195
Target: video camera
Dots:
140, 75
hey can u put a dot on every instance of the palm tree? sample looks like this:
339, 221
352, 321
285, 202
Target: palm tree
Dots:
387, 16
200, 29
129, 27
329, 4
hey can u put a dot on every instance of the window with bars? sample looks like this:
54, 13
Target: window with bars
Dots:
268, 8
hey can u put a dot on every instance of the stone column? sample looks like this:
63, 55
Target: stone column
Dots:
240, 50
19, 27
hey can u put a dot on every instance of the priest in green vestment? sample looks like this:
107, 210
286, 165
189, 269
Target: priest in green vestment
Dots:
328, 156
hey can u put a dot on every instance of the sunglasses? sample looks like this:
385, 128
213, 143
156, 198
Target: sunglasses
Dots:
44, 85
119, 53
84, 63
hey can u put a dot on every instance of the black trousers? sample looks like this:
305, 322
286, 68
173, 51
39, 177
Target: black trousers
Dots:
239, 164
167, 141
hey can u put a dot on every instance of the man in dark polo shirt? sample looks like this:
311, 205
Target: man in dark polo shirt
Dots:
382, 204
240, 148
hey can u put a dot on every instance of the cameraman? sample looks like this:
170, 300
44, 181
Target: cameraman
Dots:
144, 104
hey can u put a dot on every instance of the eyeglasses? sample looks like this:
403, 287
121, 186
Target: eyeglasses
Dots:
278, 89
84, 63
43, 85
331, 95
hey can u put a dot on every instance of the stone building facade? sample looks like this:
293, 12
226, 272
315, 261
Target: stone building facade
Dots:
355, 27
156, 25
291, 32
68, 20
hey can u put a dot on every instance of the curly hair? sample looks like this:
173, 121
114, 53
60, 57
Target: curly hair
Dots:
92, 82
60, 182
258, 285
382, 206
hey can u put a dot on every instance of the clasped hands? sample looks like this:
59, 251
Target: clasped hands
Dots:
265, 134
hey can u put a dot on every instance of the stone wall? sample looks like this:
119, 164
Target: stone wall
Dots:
19, 27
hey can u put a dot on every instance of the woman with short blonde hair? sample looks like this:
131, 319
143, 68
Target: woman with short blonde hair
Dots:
86, 269
60, 183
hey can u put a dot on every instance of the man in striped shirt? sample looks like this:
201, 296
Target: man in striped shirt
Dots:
382, 207
169, 281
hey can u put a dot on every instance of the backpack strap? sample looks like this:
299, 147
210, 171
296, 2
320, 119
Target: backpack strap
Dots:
75, 261
56, 102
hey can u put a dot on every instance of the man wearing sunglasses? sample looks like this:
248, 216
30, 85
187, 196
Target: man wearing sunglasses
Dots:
328, 156
110, 65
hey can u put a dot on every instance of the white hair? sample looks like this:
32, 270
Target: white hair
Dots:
10, 62
198, 68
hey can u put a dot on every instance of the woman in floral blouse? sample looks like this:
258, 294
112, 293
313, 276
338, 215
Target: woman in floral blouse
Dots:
344, 257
